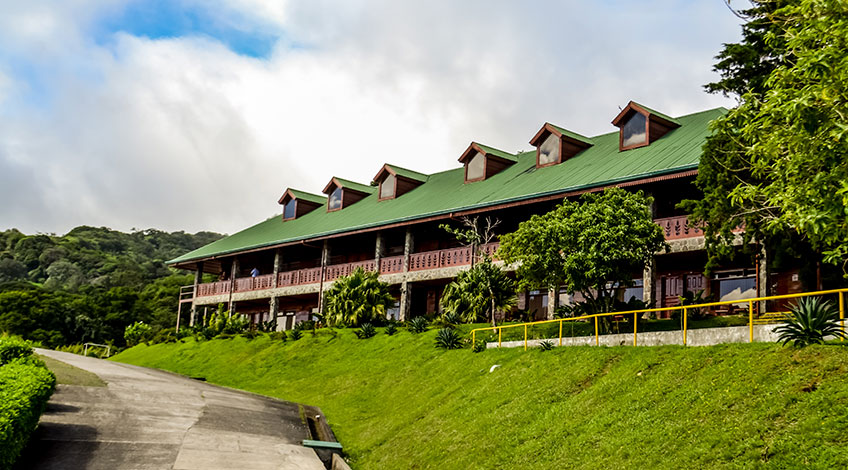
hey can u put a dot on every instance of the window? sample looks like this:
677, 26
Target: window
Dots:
549, 150
737, 289
289, 209
634, 132
476, 167
387, 187
637, 290
335, 201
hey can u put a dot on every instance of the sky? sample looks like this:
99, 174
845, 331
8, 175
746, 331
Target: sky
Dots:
198, 114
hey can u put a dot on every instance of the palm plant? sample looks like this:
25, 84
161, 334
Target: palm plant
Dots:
810, 321
357, 298
478, 293
448, 338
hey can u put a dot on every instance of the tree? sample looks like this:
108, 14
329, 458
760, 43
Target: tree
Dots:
478, 293
358, 298
777, 164
591, 246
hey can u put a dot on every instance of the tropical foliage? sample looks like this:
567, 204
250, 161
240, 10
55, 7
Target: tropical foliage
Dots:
591, 246
358, 298
417, 325
138, 332
448, 338
811, 321
365, 331
478, 293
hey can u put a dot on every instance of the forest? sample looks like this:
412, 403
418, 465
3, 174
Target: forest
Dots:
89, 284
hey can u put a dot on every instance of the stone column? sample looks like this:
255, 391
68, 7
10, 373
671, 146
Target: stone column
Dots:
553, 301
278, 260
405, 287
649, 277
762, 279
379, 251
198, 277
233, 274
325, 260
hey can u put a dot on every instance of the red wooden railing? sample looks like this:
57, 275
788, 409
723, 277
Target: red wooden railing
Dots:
679, 227
446, 258
338, 270
254, 283
392, 264
213, 288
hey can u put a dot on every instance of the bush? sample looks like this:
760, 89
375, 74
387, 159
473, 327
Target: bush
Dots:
810, 321
448, 338
25, 387
417, 325
296, 334
479, 346
278, 336
391, 328
137, 333
357, 298
365, 331
13, 347
449, 320
546, 345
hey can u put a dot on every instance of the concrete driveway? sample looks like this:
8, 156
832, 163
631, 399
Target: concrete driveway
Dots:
149, 419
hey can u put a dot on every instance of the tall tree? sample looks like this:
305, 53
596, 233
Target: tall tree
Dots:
589, 245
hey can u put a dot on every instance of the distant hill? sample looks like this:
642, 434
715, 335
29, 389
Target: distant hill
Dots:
88, 284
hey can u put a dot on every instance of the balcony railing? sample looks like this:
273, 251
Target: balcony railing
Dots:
392, 264
338, 270
213, 288
679, 227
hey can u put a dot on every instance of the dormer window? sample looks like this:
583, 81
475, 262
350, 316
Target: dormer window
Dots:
549, 151
555, 145
640, 126
387, 187
483, 162
296, 203
395, 181
342, 193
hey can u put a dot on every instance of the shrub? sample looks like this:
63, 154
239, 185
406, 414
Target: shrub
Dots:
546, 345
25, 387
358, 298
278, 336
365, 331
417, 325
449, 320
391, 328
479, 346
296, 334
448, 338
810, 321
13, 347
138, 332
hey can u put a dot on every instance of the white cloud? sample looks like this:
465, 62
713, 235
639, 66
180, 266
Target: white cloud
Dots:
185, 134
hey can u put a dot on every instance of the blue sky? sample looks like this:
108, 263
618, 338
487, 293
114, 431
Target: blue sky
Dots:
197, 114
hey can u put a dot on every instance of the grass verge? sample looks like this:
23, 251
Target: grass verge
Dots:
397, 402
67, 374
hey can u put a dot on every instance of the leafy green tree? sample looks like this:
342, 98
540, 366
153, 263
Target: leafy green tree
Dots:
64, 275
11, 270
588, 245
137, 333
480, 292
356, 299
777, 164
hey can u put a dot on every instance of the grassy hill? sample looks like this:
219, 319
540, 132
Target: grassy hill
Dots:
397, 402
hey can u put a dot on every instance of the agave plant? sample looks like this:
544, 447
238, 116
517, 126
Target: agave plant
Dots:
296, 334
810, 321
365, 331
391, 328
417, 325
448, 338
546, 345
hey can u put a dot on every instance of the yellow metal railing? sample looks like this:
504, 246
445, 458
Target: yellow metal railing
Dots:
685, 308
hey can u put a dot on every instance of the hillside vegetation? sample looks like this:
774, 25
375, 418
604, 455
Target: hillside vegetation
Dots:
397, 402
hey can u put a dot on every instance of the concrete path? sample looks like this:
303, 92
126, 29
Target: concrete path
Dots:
149, 419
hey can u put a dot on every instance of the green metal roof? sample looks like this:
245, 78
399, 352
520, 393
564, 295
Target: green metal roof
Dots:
355, 186
413, 175
497, 153
308, 196
572, 134
445, 192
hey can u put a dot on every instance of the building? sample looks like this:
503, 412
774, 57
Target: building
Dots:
277, 268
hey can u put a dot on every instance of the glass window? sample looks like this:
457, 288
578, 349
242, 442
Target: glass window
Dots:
335, 201
737, 289
476, 167
633, 132
549, 150
288, 210
636, 291
387, 187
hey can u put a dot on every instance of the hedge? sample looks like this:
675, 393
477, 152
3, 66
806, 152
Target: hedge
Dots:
12, 347
25, 387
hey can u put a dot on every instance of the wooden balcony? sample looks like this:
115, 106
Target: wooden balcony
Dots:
446, 258
339, 270
679, 227
391, 265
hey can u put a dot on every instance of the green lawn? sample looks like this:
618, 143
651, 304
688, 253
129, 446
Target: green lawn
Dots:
67, 374
397, 402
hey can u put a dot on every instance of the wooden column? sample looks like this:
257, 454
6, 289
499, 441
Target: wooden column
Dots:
231, 307
406, 287
325, 260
